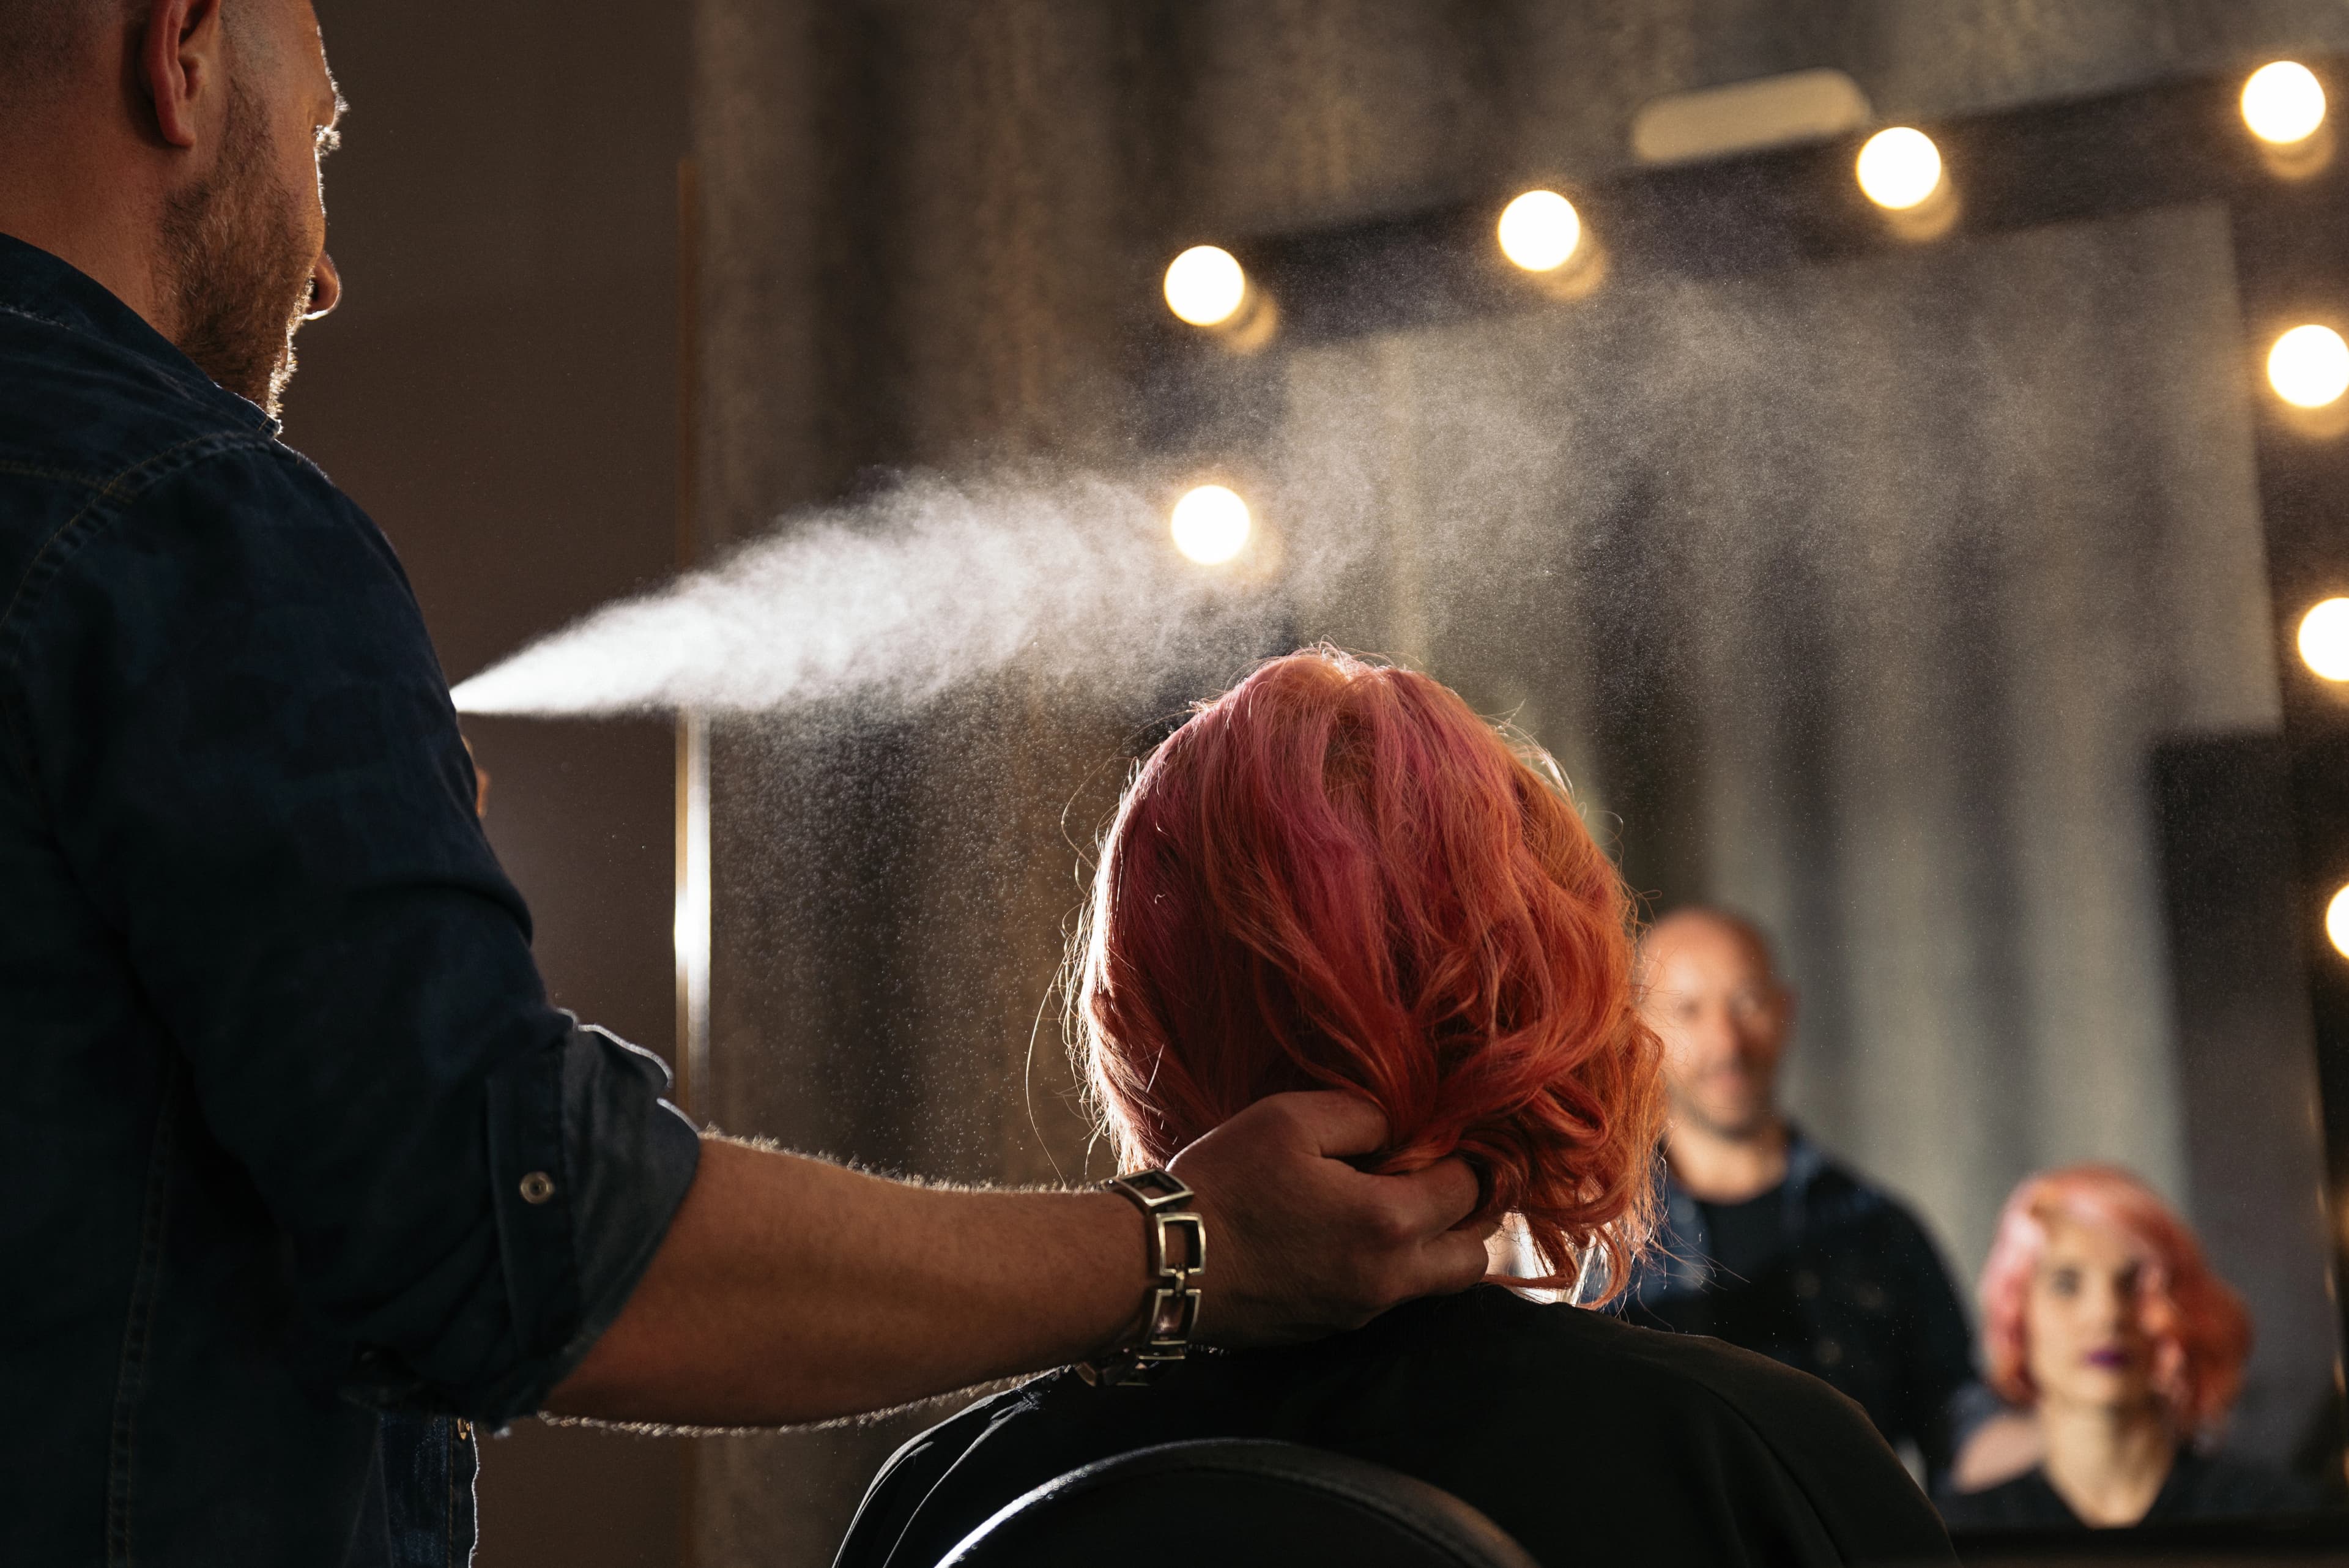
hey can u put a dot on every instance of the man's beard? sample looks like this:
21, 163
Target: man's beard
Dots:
1758, 1119
240, 264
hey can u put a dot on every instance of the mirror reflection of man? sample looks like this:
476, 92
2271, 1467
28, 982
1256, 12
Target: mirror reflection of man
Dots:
1771, 1244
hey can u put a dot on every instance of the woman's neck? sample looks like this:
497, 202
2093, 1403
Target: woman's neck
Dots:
2106, 1462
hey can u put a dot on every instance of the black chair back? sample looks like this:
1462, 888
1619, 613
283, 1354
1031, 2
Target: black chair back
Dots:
1232, 1503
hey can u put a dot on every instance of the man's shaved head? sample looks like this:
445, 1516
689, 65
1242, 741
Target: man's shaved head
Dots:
169, 150
39, 42
35, 30
1691, 918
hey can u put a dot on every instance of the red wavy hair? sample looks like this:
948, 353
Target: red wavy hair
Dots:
1337, 876
2202, 1333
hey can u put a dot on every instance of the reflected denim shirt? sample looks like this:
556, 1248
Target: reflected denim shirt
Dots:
1859, 1298
303, 1174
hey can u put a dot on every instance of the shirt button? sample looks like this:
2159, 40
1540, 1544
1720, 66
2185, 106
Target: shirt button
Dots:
537, 1187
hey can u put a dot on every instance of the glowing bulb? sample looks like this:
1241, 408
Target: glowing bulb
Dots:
1211, 524
1899, 168
2325, 639
1539, 230
2336, 921
1205, 286
2284, 103
2309, 365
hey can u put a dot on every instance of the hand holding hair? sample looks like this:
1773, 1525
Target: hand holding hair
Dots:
1305, 1244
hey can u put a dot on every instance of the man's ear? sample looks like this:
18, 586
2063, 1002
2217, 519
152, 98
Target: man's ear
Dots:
181, 64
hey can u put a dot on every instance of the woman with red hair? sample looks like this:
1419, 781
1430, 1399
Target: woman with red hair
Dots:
2102, 1318
1337, 877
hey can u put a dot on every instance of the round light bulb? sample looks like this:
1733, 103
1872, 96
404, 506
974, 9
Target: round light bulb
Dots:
1899, 168
2284, 103
2325, 639
1211, 524
1539, 230
1205, 286
2337, 922
2309, 367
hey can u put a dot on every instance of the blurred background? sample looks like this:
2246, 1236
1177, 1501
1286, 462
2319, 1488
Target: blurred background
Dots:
626, 283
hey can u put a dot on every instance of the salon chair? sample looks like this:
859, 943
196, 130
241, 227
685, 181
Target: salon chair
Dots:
1230, 1503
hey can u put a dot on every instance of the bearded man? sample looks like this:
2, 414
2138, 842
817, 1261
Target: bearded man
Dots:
304, 1175
1771, 1244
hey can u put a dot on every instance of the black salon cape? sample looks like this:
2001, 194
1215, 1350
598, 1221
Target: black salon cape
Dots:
1589, 1440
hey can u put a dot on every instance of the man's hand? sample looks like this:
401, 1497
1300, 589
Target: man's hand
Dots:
1300, 1243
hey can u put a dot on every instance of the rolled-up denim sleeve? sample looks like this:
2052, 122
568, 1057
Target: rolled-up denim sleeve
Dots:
237, 730
587, 1163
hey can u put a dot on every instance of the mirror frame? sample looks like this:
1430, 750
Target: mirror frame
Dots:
2164, 144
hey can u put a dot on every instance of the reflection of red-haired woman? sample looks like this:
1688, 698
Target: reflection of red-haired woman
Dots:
1337, 877
2101, 1317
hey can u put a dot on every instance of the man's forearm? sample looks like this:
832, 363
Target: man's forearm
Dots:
789, 1290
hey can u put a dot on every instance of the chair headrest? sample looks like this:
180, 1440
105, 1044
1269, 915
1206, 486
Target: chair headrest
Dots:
1237, 1503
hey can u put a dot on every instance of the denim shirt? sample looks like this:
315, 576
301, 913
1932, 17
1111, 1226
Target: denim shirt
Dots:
303, 1174
1858, 1298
